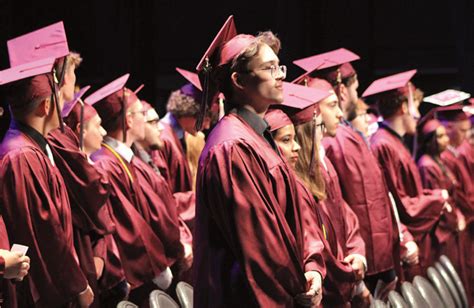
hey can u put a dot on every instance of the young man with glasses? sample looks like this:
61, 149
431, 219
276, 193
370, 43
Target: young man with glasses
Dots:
249, 240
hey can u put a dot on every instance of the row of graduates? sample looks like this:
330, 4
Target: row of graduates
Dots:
270, 189
276, 224
100, 216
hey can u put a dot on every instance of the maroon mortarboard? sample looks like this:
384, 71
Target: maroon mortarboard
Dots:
300, 102
337, 59
28, 82
397, 82
277, 119
193, 78
428, 123
43, 43
111, 102
216, 55
69, 106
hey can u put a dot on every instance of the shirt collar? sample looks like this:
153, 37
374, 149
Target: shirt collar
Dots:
258, 124
120, 148
170, 119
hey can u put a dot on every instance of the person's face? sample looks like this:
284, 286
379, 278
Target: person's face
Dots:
331, 114
350, 97
409, 120
442, 138
93, 135
258, 84
285, 139
459, 131
361, 121
67, 90
136, 121
153, 130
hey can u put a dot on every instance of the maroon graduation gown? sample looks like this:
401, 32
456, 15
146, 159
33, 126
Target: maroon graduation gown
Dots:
419, 209
142, 252
248, 239
466, 155
448, 239
35, 207
340, 278
88, 191
7, 287
366, 194
173, 153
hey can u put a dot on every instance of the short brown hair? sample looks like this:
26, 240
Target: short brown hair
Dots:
62, 64
182, 105
240, 62
388, 104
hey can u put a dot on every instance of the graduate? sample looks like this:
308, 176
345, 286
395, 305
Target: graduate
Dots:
248, 236
144, 252
87, 189
357, 169
301, 105
34, 200
419, 209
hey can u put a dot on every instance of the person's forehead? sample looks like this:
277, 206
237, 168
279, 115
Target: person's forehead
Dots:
265, 54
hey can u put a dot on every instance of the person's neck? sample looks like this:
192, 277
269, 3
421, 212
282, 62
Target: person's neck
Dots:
244, 103
118, 135
396, 124
39, 124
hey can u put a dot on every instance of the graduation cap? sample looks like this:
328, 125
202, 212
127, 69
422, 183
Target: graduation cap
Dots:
300, 104
193, 87
217, 55
447, 97
29, 82
50, 41
76, 112
453, 113
111, 102
47, 42
277, 119
140, 87
397, 82
336, 61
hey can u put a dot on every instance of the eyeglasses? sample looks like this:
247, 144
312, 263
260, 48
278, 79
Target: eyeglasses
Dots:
275, 71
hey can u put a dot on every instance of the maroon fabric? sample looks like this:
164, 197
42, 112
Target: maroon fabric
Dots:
113, 273
74, 117
163, 216
419, 209
340, 278
365, 191
36, 210
141, 251
433, 177
25, 91
7, 288
175, 157
466, 155
248, 239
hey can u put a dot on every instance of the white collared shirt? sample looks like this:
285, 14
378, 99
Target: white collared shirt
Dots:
120, 148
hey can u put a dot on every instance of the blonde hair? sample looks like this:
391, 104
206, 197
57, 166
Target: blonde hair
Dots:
314, 180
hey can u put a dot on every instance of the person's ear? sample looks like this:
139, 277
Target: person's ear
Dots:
237, 80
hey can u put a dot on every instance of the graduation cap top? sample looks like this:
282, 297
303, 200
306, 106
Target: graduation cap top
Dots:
397, 82
339, 60
277, 119
43, 43
69, 106
447, 97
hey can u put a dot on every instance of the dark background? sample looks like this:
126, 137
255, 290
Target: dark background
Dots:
150, 38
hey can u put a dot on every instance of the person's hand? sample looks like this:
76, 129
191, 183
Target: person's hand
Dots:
314, 295
16, 265
461, 222
86, 297
357, 266
99, 266
411, 255
188, 255
447, 207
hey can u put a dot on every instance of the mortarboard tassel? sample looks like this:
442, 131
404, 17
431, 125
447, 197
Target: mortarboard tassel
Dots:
81, 121
312, 164
206, 71
54, 86
124, 104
